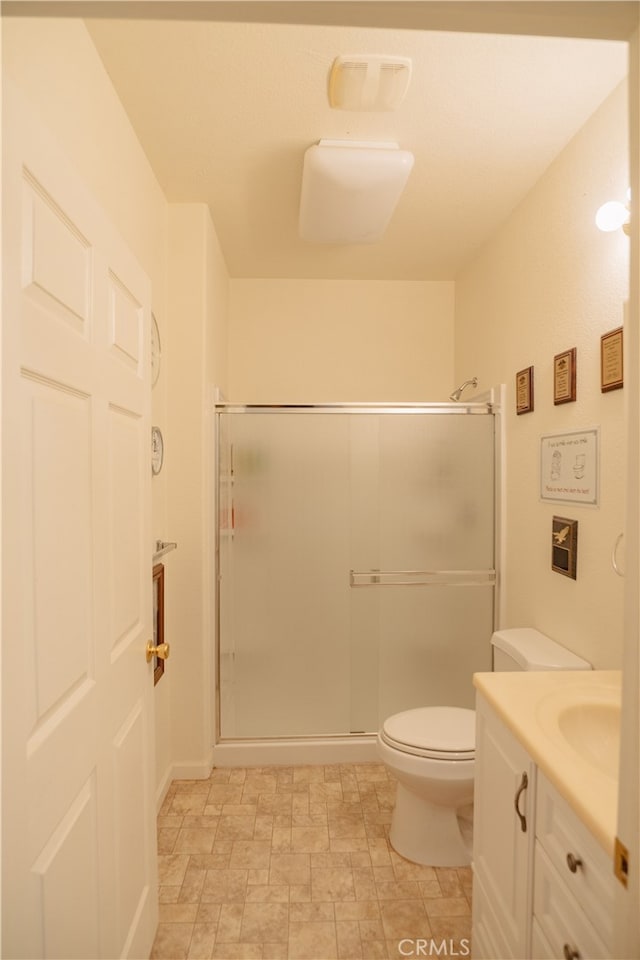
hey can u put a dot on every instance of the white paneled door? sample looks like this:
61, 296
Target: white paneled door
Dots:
78, 857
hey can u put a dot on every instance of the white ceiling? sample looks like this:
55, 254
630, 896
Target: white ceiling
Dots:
225, 112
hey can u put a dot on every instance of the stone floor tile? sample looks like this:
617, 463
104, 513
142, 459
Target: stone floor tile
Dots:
447, 907
172, 941
250, 854
333, 884
348, 939
275, 951
194, 841
224, 886
312, 912
312, 941
236, 828
237, 951
229, 923
309, 839
268, 893
178, 912
202, 941
172, 868
290, 868
167, 840
357, 910
404, 918
191, 889
225, 793
262, 922
294, 863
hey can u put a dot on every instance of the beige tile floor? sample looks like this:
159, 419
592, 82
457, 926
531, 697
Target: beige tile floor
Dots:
294, 863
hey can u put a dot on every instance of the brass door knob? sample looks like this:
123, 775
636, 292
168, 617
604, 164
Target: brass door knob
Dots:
161, 651
573, 862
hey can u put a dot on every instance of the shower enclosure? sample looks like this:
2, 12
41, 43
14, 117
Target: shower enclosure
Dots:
356, 563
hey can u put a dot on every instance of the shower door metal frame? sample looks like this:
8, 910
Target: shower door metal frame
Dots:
359, 579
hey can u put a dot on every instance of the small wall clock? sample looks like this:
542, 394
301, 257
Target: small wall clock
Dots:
157, 450
155, 351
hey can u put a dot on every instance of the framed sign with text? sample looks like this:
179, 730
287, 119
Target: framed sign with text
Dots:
524, 390
564, 377
611, 361
569, 467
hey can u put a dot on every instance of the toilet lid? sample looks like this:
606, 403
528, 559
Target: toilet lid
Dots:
447, 733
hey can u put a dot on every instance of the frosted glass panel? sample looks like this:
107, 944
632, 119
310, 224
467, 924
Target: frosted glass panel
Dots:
436, 492
306, 498
285, 655
427, 492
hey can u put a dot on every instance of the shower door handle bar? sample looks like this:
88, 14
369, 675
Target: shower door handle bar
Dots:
422, 578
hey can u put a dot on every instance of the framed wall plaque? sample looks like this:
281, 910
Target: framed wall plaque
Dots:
611, 361
524, 390
564, 377
564, 546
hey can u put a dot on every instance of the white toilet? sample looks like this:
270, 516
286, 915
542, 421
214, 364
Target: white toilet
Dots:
431, 750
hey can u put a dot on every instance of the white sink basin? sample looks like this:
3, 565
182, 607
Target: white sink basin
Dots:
593, 731
586, 719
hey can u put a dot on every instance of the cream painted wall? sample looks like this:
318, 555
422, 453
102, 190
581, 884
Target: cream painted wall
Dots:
339, 340
197, 292
549, 281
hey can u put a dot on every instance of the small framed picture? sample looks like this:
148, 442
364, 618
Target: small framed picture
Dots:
611, 361
564, 377
158, 618
564, 546
524, 390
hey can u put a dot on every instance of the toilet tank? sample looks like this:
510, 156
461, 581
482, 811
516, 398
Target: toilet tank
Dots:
523, 648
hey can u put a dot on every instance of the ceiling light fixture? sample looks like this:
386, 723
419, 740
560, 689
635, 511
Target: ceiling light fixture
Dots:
350, 190
369, 83
615, 214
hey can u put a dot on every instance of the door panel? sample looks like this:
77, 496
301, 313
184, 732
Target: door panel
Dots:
72, 846
57, 440
79, 870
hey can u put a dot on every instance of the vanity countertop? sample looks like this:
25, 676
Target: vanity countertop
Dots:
546, 711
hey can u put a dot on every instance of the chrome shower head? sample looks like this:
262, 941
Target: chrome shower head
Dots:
455, 396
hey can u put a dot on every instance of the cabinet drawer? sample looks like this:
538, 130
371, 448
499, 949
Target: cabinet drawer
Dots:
563, 923
562, 834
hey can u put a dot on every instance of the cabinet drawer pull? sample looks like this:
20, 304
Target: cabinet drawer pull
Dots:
570, 953
523, 786
573, 862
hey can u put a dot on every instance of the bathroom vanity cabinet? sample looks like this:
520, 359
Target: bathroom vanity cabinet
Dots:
543, 887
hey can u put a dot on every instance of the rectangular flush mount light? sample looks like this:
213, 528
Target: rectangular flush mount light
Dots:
350, 190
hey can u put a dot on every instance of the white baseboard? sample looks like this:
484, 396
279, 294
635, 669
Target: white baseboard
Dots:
163, 788
183, 771
263, 753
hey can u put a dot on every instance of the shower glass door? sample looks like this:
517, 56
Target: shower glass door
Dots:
284, 561
356, 556
422, 620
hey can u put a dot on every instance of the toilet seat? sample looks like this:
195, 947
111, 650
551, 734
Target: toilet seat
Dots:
442, 733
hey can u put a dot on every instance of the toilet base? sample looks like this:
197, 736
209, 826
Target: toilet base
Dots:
427, 833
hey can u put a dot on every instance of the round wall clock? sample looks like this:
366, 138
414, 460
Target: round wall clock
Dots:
155, 351
157, 450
